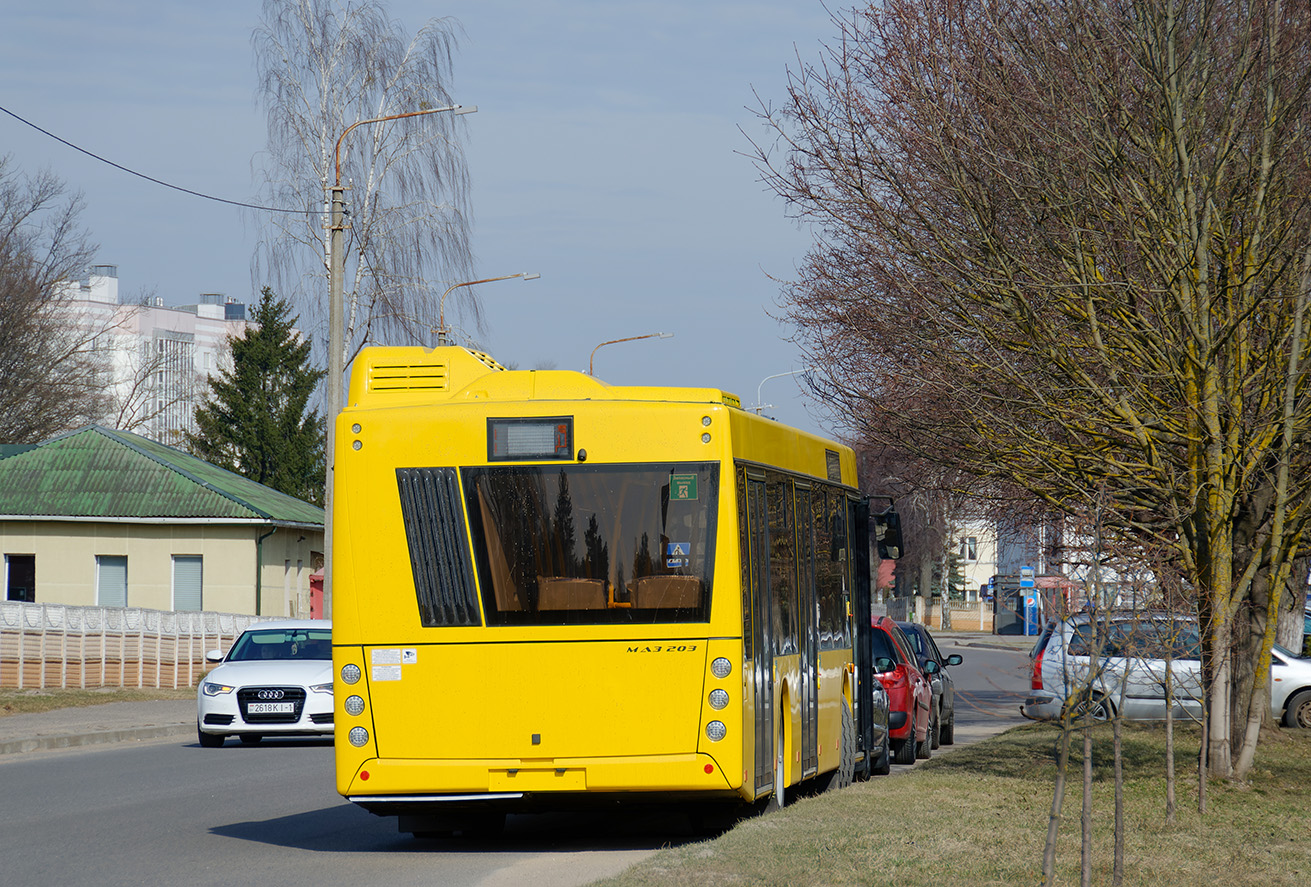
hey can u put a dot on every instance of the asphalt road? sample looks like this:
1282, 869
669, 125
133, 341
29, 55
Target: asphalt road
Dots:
167, 812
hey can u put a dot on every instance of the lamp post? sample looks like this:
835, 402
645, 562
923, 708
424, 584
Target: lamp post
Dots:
760, 406
441, 306
336, 329
591, 358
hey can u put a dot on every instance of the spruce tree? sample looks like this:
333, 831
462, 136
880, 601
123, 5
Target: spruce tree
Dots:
256, 419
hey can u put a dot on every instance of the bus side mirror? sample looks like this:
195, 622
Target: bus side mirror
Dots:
887, 530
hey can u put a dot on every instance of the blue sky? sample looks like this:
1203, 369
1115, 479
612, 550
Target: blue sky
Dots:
606, 155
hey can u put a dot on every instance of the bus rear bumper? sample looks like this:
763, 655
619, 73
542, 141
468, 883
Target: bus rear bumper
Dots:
389, 786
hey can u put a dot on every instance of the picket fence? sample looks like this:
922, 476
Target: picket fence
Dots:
44, 646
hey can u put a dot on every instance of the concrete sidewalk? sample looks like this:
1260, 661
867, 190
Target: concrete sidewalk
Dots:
92, 724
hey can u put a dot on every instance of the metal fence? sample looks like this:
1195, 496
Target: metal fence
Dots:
45, 646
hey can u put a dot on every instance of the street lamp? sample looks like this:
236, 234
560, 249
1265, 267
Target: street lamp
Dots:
760, 406
592, 357
441, 306
336, 329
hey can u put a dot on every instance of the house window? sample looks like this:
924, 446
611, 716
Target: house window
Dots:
111, 580
187, 575
969, 548
20, 577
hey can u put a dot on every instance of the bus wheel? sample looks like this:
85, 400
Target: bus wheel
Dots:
778, 800
844, 775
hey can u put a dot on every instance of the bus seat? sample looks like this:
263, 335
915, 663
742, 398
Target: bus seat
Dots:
559, 593
504, 587
656, 592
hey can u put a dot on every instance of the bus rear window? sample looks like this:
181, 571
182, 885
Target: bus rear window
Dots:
593, 544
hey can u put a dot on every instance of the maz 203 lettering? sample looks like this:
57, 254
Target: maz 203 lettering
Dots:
664, 648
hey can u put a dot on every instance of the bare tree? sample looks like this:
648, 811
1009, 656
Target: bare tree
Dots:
50, 368
322, 67
1067, 246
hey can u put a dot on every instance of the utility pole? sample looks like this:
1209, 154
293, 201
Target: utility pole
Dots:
337, 330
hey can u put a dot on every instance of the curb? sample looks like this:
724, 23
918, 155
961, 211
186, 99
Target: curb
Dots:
76, 740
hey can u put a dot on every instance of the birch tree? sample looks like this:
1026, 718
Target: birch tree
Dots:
322, 67
1066, 245
52, 369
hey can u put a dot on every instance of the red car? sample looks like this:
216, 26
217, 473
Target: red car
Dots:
910, 692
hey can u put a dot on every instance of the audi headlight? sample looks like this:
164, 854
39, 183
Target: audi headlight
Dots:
322, 688
216, 689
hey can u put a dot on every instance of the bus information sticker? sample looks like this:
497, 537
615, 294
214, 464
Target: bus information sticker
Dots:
386, 673
386, 664
678, 554
682, 487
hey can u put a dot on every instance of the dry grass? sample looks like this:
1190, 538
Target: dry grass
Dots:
17, 702
978, 816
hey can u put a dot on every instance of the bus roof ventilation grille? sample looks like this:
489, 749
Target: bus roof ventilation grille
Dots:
409, 377
487, 360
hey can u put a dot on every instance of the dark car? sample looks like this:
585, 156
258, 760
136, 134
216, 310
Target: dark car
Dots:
935, 665
910, 693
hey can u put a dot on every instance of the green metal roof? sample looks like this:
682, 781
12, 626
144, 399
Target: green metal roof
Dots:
97, 472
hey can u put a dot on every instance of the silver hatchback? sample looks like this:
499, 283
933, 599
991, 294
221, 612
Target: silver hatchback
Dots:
1118, 664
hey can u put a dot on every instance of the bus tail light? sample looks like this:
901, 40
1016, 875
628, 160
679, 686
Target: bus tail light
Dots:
716, 731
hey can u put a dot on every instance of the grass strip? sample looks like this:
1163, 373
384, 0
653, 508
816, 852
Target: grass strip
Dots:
977, 816
19, 702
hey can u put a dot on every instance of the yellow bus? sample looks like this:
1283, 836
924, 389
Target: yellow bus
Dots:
549, 592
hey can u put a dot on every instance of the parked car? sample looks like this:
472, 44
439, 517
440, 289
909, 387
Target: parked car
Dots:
276, 680
1117, 664
935, 665
881, 741
910, 694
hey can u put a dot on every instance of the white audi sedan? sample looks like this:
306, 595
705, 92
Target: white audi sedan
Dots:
275, 681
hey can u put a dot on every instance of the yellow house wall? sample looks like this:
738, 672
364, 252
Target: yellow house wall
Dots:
66, 552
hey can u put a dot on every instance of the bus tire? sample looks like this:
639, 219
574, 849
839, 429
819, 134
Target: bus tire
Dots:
845, 773
778, 800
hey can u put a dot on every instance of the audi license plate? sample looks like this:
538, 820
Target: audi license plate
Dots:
271, 708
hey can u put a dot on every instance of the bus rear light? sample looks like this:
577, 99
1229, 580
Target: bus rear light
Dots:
718, 699
359, 737
716, 731
350, 673
354, 705
721, 668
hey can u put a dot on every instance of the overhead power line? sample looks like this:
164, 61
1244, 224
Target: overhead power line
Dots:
140, 175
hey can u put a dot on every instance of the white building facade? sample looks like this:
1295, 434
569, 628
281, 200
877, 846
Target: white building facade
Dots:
157, 359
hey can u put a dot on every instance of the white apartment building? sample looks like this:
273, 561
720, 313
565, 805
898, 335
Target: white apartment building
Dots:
157, 358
